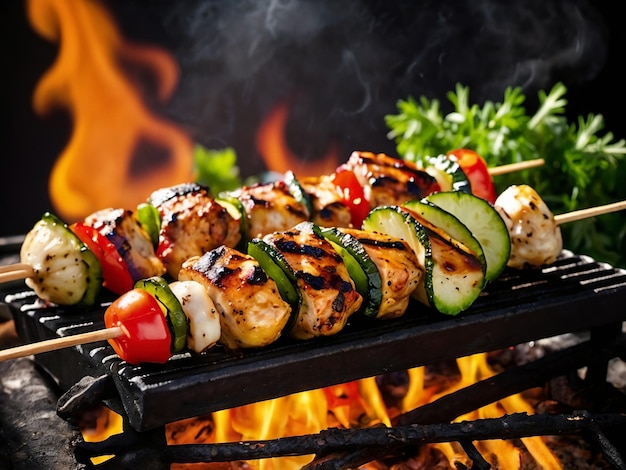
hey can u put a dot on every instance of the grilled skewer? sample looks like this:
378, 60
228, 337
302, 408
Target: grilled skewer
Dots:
191, 221
211, 274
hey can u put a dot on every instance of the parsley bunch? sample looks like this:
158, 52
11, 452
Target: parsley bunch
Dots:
583, 167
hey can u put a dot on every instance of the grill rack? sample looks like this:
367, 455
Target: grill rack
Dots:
574, 294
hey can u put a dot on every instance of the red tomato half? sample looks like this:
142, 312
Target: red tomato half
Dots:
146, 336
116, 276
352, 194
477, 173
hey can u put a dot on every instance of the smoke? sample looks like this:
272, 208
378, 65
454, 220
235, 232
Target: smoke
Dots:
345, 64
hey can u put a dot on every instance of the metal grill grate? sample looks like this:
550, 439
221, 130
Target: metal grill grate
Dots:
574, 294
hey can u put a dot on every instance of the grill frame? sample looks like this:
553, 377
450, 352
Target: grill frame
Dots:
518, 307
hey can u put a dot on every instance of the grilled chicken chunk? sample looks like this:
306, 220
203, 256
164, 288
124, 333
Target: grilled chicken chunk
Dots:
270, 207
390, 181
121, 227
252, 312
328, 293
328, 207
398, 266
192, 223
535, 237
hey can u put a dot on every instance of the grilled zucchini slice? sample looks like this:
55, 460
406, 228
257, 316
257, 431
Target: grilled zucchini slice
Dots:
482, 219
448, 173
277, 268
435, 218
453, 277
298, 192
361, 268
66, 272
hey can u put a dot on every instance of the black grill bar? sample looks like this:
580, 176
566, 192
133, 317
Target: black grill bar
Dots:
355, 447
574, 294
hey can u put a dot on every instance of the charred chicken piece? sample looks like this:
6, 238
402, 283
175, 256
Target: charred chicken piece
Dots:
390, 181
192, 223
328, 208
121, 227
328, 293
536, 239
400, 270
270, 207
252, 312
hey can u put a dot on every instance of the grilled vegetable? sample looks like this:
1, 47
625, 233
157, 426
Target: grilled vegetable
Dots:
352, 194
448, 173
115, 273
276, 267
235, 209
150, 220
202, 317
397, 270
66, 272
453, 277
171, 307
297, 191
252, 313
485, 224
535, 237
123, 230
329, 297
435, 218
476, 171
361, 268
147, 337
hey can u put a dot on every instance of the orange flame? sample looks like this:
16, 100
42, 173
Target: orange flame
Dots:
97, 169
473, 369
272, 145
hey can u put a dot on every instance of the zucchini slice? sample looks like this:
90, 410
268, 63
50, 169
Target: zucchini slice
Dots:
298, 192
435, 218
171, 307
482, 219
277, 268
361, 268
66, 271
451, 171
453, 277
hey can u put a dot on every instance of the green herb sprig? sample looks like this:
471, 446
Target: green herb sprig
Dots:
216, 169
583, 167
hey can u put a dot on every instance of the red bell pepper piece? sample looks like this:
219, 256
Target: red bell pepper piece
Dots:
115, 272
475, 168
352, 194
147, 337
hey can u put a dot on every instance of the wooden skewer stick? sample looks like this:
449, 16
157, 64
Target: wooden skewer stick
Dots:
60, 343
519, 166
13, 272
590, 212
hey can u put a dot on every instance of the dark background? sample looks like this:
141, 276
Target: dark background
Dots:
345, 63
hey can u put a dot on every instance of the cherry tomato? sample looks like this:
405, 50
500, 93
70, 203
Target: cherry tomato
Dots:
146, 336
352, 194
477, 173
115, 272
